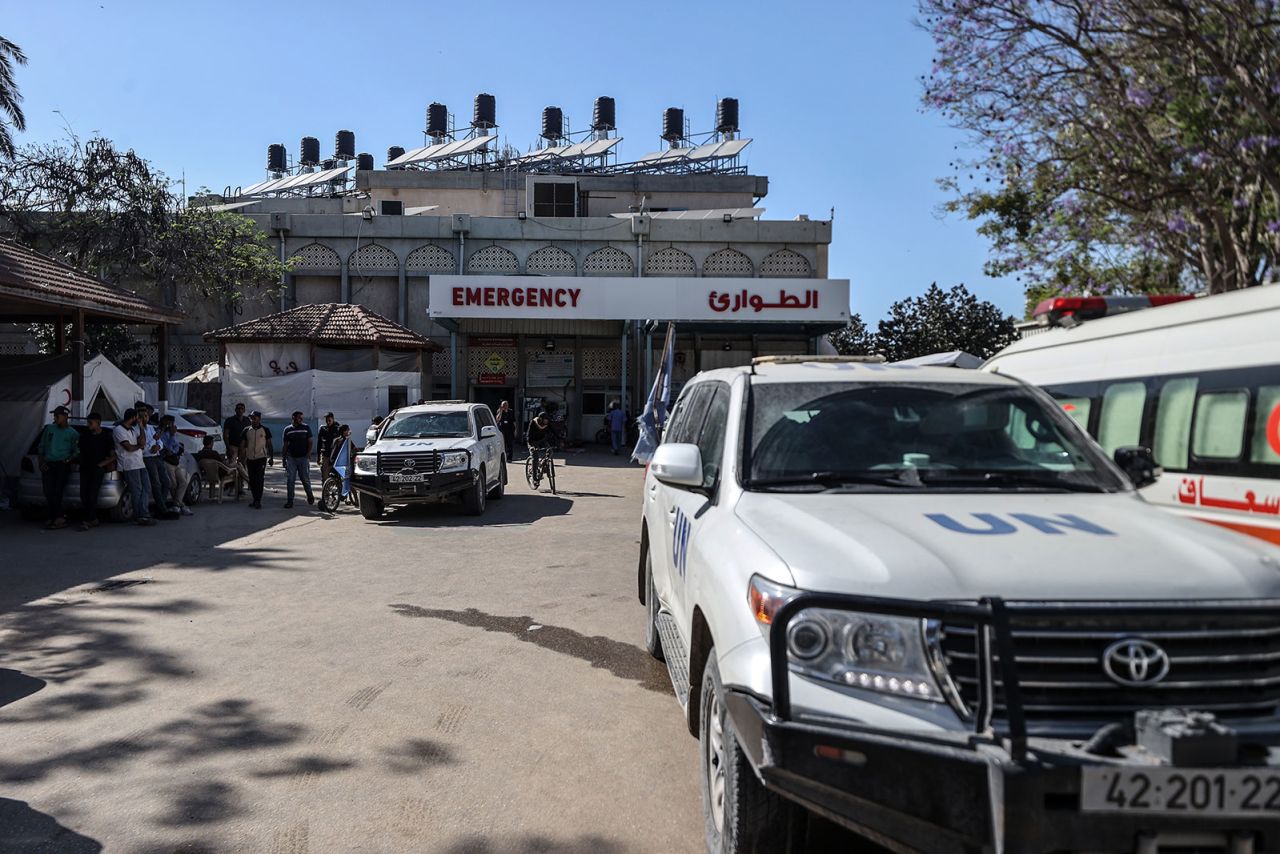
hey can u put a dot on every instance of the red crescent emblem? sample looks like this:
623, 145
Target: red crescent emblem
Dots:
67, 402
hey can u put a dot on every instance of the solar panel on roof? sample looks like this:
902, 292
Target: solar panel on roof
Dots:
600, 146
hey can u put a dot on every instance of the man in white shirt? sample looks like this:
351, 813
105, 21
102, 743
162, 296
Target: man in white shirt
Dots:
128, 441
156, 472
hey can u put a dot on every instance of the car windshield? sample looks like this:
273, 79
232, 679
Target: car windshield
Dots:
429, 425
917, 436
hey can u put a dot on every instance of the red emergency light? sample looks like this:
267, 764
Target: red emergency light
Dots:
1055, 310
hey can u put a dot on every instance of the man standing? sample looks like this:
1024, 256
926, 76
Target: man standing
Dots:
297, 458
171, 452
233, 432
506, 418
128, 441
151, 448
256, 450
617, 426
59, 444
325, 439
97, 456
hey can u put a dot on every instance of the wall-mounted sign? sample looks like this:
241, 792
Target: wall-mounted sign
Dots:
549, 369
489, 343
495, 363
491, 379
622, 298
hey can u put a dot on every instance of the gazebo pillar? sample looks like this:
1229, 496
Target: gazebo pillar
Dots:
77, 378
162, 369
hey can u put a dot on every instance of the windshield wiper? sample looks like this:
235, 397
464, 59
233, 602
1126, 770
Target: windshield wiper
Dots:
1043, 480
833, 479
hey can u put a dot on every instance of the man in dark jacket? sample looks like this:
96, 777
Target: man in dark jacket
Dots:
97, 457
325, 439
233, 432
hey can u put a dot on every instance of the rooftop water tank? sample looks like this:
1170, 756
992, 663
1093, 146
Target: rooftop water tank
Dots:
344, 145
727, 115
310, 151
276, 161
603, 114
552, 123
673, 124
364, 162
486, 112
437, 119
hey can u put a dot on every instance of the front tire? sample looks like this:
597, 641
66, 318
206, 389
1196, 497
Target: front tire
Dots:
370, 508
473, 500
194, 487
331, 495
652, 640
742, 816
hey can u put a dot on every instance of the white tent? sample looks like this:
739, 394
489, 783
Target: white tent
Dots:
31, 386
952, 359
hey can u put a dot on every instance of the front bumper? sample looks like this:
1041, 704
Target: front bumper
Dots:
951, 795
433, 488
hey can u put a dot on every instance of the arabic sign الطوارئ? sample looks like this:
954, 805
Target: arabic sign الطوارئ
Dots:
621, 297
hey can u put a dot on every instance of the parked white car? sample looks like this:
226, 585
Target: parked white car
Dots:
922, 602
431, 452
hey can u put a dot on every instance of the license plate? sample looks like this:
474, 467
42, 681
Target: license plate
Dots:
406, 478
1219, 792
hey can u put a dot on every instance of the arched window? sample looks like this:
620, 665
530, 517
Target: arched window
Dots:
727, 262
785, 264
316, 256
430, 259
670, 262
493, 259
609, 261
374, 258
551, 261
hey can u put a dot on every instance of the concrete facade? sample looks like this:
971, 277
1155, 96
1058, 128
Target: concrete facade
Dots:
345, 249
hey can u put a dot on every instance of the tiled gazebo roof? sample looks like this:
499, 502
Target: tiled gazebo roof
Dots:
32, 284
332, 323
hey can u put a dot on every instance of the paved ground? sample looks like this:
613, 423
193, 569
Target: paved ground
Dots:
285, 682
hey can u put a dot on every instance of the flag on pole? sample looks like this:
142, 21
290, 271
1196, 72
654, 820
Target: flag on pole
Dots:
654, 417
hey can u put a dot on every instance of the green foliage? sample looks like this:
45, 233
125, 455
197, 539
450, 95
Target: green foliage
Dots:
10, 97
109, 212
937, 322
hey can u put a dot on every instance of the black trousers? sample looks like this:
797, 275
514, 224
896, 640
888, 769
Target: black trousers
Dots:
257, 475
90, 484
55, 479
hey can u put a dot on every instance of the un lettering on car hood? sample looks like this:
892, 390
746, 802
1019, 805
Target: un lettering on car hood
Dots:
402, 446
1018, 546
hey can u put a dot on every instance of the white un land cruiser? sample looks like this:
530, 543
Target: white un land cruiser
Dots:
432, 452
923, 603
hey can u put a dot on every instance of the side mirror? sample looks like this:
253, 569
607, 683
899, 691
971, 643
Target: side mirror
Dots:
677, 464
488, 432
1139, 464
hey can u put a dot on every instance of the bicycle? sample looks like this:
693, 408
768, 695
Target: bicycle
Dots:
334, 491
539, 464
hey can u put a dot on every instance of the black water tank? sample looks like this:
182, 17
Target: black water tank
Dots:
552, 123
344, 145
331, 163
394, 151
603, 114
437, 119
276, 161
486, 112
310, 151
673, 124
364, 162
727, 115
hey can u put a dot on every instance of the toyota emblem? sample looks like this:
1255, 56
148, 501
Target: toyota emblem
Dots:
411, 464
1135, 662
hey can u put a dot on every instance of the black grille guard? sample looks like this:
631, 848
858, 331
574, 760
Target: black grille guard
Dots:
991, 617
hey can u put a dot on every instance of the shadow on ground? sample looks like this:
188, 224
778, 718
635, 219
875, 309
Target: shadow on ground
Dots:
514, 509
24, 830
39, 563
621, 659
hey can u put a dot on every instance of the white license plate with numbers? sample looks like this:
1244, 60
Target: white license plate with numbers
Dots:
406, 478
1179, 791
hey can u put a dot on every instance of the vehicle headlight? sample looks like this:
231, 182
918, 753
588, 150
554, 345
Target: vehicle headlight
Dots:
453, 460
858, 650
366, 464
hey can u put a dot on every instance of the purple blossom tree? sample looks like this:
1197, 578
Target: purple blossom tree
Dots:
1129, 144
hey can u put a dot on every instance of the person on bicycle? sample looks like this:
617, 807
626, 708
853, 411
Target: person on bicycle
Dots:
540, 433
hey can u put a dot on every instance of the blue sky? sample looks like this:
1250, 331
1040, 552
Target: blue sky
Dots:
828, 91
